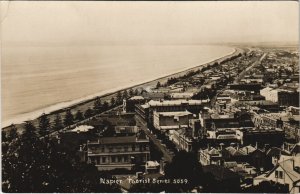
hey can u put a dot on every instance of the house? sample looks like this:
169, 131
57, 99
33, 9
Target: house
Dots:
210, 156
285, 172
223, 179
152, 167
291, 149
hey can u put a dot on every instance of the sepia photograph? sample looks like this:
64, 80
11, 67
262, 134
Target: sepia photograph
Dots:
150, 97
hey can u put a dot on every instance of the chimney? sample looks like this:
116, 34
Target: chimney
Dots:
237, 146
80, 148
256, 145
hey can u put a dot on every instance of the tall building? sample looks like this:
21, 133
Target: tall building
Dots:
146, 111
109, 153
171, 120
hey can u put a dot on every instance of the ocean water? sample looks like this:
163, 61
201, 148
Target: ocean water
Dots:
37, 79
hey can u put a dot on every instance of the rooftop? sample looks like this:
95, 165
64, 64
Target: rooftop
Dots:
172, 114
120, 139
219, 172
82, 128
137, 98
176, 102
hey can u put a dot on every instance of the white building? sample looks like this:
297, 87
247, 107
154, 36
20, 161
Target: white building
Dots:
270, 94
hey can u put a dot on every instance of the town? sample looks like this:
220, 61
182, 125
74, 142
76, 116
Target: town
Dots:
232, 123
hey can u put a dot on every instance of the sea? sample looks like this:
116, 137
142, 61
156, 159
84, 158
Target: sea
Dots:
40, 79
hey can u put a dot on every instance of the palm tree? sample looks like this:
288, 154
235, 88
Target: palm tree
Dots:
57, 122
69, 119
44, 124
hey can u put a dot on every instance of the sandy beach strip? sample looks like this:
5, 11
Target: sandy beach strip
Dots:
84, 103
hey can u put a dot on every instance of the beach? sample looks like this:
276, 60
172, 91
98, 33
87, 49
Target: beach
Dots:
84, 102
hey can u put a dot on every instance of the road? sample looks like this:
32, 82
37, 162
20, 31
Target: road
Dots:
166, 154
54, 133
243, 73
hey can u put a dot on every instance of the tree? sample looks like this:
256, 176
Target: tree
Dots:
30, 131
18, 162
158, 85
109, 129
69, 119
98, 105
136, 92
88, 113
119, 97
125, 94
112, 102
44, 124
105, 106
32, 165
12, 133
131, 92
79, 116
185, 165
3, 136
57, 122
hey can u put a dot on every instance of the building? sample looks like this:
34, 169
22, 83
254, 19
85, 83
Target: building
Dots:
152, 167
213, 122
261, 136
270, 94
291, 149
109, 153
182, 138
171, 120
281, 96
278, 120
146, 111
288, 98
224, 180
285, 172
177, 105
224, 99
210, 156
246, 87
182, 96
195, 124
126, 129
129, 104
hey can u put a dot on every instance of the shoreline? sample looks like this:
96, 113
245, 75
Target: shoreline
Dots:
83, 101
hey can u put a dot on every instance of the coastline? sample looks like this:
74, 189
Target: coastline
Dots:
106, 94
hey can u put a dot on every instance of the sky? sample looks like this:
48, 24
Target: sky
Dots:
110, 22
